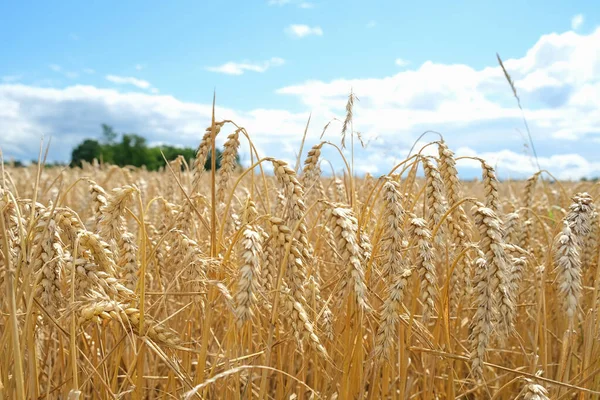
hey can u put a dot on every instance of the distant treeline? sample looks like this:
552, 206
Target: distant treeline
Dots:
132, 150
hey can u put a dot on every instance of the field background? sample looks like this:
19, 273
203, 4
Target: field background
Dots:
277, 282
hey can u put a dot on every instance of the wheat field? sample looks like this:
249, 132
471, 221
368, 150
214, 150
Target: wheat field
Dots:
274, 282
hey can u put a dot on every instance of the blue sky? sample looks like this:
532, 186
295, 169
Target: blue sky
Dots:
150, 67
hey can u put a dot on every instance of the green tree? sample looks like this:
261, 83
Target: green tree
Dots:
86, 151
171, 153
108, 133
208, 163
133, 150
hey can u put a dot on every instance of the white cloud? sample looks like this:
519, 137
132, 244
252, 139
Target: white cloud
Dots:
306, 5
300, 30
401, 63
89, 71
576, 21
371, 24
76, 112
139, 67
234, 68
565, 166
128, 80
278, 2
55, 67
558, 80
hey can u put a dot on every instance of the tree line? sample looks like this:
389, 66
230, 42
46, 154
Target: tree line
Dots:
132, 149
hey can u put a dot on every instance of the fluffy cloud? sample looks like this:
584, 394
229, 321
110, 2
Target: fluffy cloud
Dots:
233, 68
563, 166
557, 81
67, 115
128, 80
401, 62
300, 31
576, 21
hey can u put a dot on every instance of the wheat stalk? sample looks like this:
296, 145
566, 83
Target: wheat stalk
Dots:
424, 264
228, 163
248, 283
345, 233
498, 263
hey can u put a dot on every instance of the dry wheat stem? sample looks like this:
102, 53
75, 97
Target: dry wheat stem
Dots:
289, 282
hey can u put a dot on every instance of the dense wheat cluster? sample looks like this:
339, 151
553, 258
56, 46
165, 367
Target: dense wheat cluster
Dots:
274, 282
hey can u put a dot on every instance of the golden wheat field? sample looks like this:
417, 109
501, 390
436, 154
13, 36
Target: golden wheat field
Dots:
273, 282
